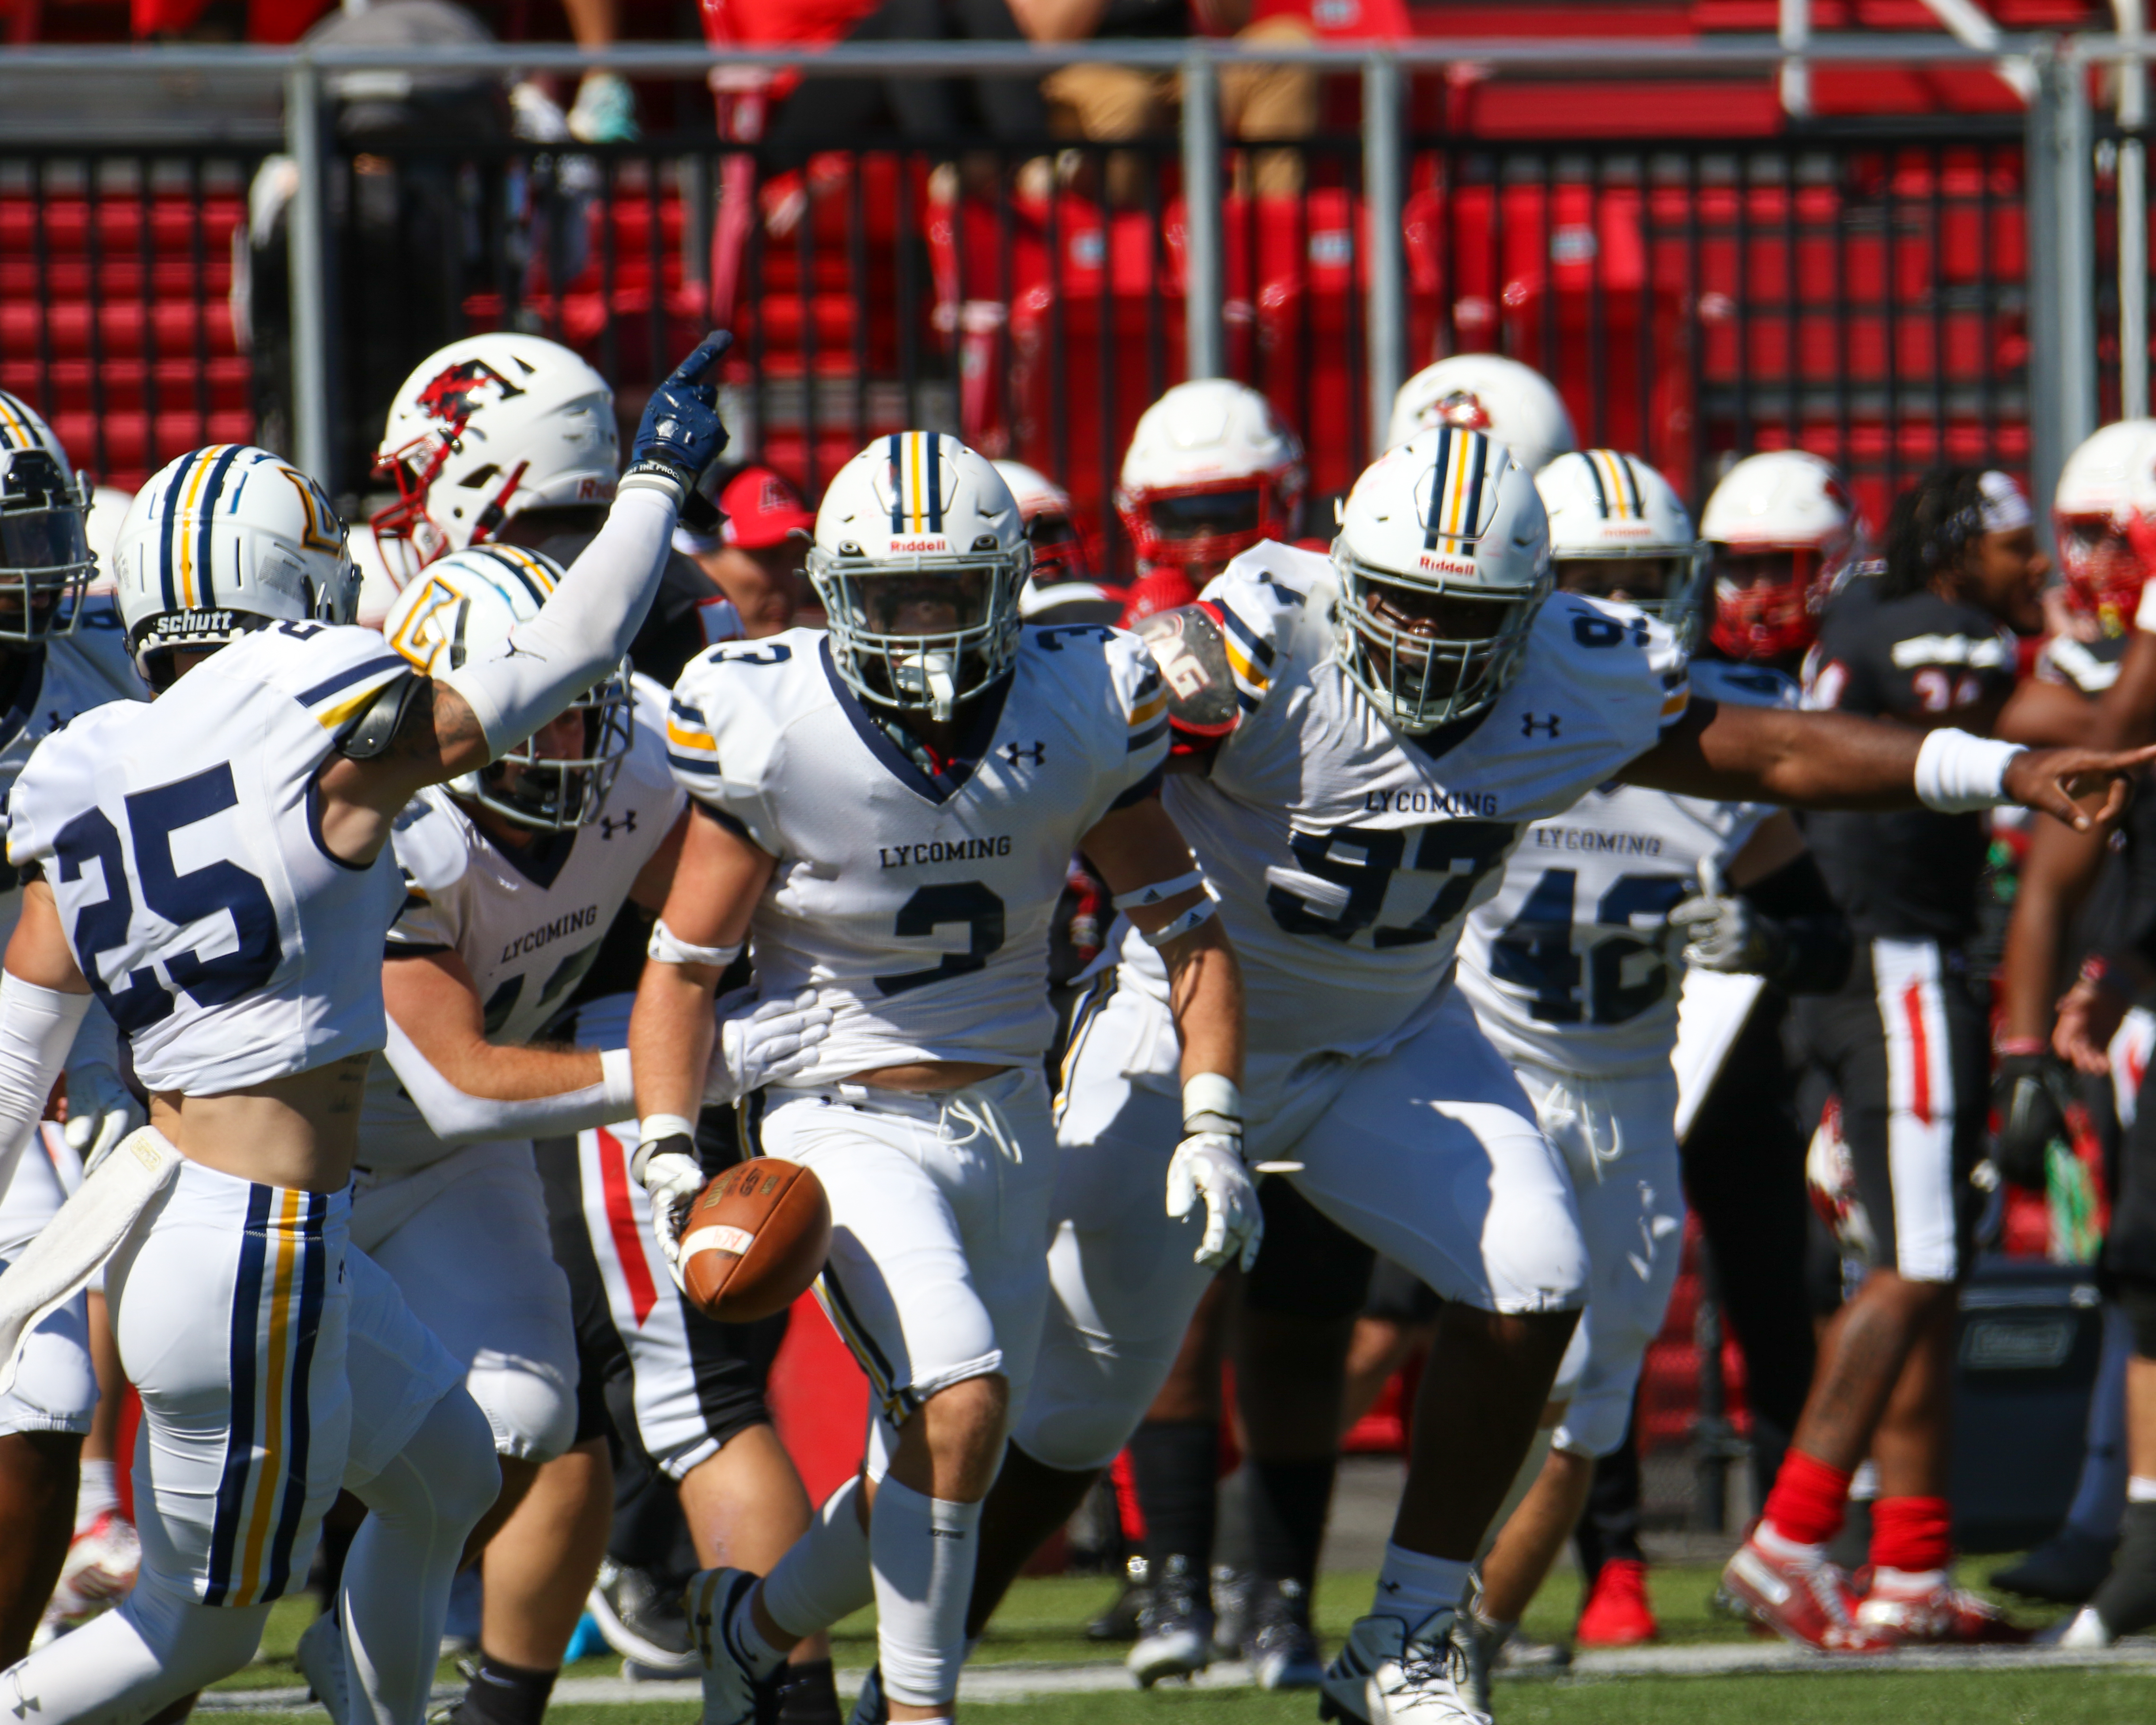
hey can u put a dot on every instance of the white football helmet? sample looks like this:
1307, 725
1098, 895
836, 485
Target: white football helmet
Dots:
467, 602
2106, 484
45, 560
1062, 549
1486, 391
488, 428
920, 557
1445, 532
219, 543
1784, 501
1211, 470
1610, 508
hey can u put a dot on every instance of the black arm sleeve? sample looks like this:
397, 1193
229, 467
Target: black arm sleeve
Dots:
1819, 946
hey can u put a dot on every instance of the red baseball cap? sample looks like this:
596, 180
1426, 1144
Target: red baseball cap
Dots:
760, 509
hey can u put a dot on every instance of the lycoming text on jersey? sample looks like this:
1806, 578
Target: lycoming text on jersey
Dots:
1421, 802
573, 922
1587, 838
942, 850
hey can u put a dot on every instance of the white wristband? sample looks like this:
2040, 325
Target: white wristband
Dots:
1159, 892
1212, 1096
667, 948
1176, 927
614, 1078
1958, 774
653, 1127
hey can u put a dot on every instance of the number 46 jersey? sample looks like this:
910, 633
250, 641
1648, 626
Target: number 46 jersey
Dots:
1568, 967
181, 844
916, 903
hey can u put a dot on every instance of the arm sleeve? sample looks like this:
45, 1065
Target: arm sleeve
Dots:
455, 1116
36, 1028
584, 628
1821, 947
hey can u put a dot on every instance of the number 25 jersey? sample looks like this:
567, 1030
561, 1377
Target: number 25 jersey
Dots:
1348, 853
916, 904
182, 844
1568, 966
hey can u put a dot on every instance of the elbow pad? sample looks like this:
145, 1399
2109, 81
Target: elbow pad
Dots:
38, 1027
1818, 947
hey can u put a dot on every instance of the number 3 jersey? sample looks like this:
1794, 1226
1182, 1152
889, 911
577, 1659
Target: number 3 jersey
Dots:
917, 903
1567, 966
527, 922
181, 843
1348, 853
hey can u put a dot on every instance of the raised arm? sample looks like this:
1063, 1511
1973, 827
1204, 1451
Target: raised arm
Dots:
1812, 760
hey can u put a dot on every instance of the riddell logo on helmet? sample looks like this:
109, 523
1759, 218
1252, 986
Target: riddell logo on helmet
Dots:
920, 545
1446, 566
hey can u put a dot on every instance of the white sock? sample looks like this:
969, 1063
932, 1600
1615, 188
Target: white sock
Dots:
155, 1646
1907, 1583
824, 1574
923, 1553
1775, 1546
396, 1578
1412, 1584
2140, 1489
94, 1492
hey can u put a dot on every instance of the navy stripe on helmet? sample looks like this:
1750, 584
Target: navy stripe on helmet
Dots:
169, 503
1437, 487
935, 483
1471, 516
897, 455
1594, 478
1632, 485
509, 561
206, 594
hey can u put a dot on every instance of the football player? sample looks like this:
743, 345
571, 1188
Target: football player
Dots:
1929, 642
1571, 978
216, 867
1784, 535
886, 813
1486, 391
1211, 470
61, 654
1364, 740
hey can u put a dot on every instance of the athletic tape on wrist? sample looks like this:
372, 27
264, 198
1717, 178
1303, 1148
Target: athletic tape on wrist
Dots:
1204, 911
1210, 1097
667, 948
1958, 774
653, 1131
1159, 892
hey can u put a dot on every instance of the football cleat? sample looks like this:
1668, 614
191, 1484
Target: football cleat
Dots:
733, 1694
1388, 1674
1276, 1642
1803, 1598
1175, 1630
871, 1706
321, 1659
2067, 1569
1617, 1614
1940, 1614
1235, 1593
1120, 1621
641, 1621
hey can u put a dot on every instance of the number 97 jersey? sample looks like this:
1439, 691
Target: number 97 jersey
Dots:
181, 842
1569, 967
915, 897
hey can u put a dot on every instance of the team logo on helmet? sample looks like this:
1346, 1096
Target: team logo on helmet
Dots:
454, 394
1464, 409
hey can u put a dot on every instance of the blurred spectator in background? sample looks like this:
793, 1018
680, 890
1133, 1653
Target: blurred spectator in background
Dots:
1107, 104
604, 111
755, 558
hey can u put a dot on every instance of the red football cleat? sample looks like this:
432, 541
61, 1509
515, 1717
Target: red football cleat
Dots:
1943, 1614
1803, 1597
1616, 1613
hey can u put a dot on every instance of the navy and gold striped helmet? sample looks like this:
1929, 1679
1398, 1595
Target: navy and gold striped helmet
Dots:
220, 541
45, 560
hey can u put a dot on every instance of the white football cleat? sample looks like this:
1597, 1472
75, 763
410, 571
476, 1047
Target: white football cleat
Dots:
1388, 1674
711, 1600
321, 1659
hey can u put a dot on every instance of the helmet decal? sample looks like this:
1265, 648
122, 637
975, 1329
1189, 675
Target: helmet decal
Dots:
451, 394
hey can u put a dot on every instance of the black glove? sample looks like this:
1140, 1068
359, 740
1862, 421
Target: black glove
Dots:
681, 436
2030, 1094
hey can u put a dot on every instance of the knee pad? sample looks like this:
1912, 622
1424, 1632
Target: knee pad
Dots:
531, 1404
2137, 1299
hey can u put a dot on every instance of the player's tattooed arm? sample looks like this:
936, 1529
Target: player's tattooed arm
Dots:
1137, 847
1828, 760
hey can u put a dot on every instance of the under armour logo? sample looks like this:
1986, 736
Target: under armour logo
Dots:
1016, 752
608, 824
1529, 724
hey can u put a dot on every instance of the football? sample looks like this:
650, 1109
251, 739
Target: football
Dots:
754, 1239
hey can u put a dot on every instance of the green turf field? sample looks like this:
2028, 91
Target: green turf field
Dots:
1043, 1623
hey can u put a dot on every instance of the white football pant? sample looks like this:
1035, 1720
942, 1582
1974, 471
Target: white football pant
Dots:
55, 1387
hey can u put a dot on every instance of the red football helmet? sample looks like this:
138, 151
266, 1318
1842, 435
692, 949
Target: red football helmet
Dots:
2105, 490
1783, 533
1211, 470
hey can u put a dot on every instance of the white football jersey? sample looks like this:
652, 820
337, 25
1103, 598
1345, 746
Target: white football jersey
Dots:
526, 922
1346, 854
1571, 965
70, 675
180, 843
917, 905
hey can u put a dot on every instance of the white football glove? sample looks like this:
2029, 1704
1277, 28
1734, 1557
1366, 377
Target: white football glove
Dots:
1209, 1165
751, 1051
667, 1168
100, 1111
1727, 934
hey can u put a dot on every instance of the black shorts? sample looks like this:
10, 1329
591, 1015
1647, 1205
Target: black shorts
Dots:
654, 1372
1905, 1044
1308, 1266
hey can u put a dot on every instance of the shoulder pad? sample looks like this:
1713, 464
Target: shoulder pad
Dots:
1192, 652
376, 728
